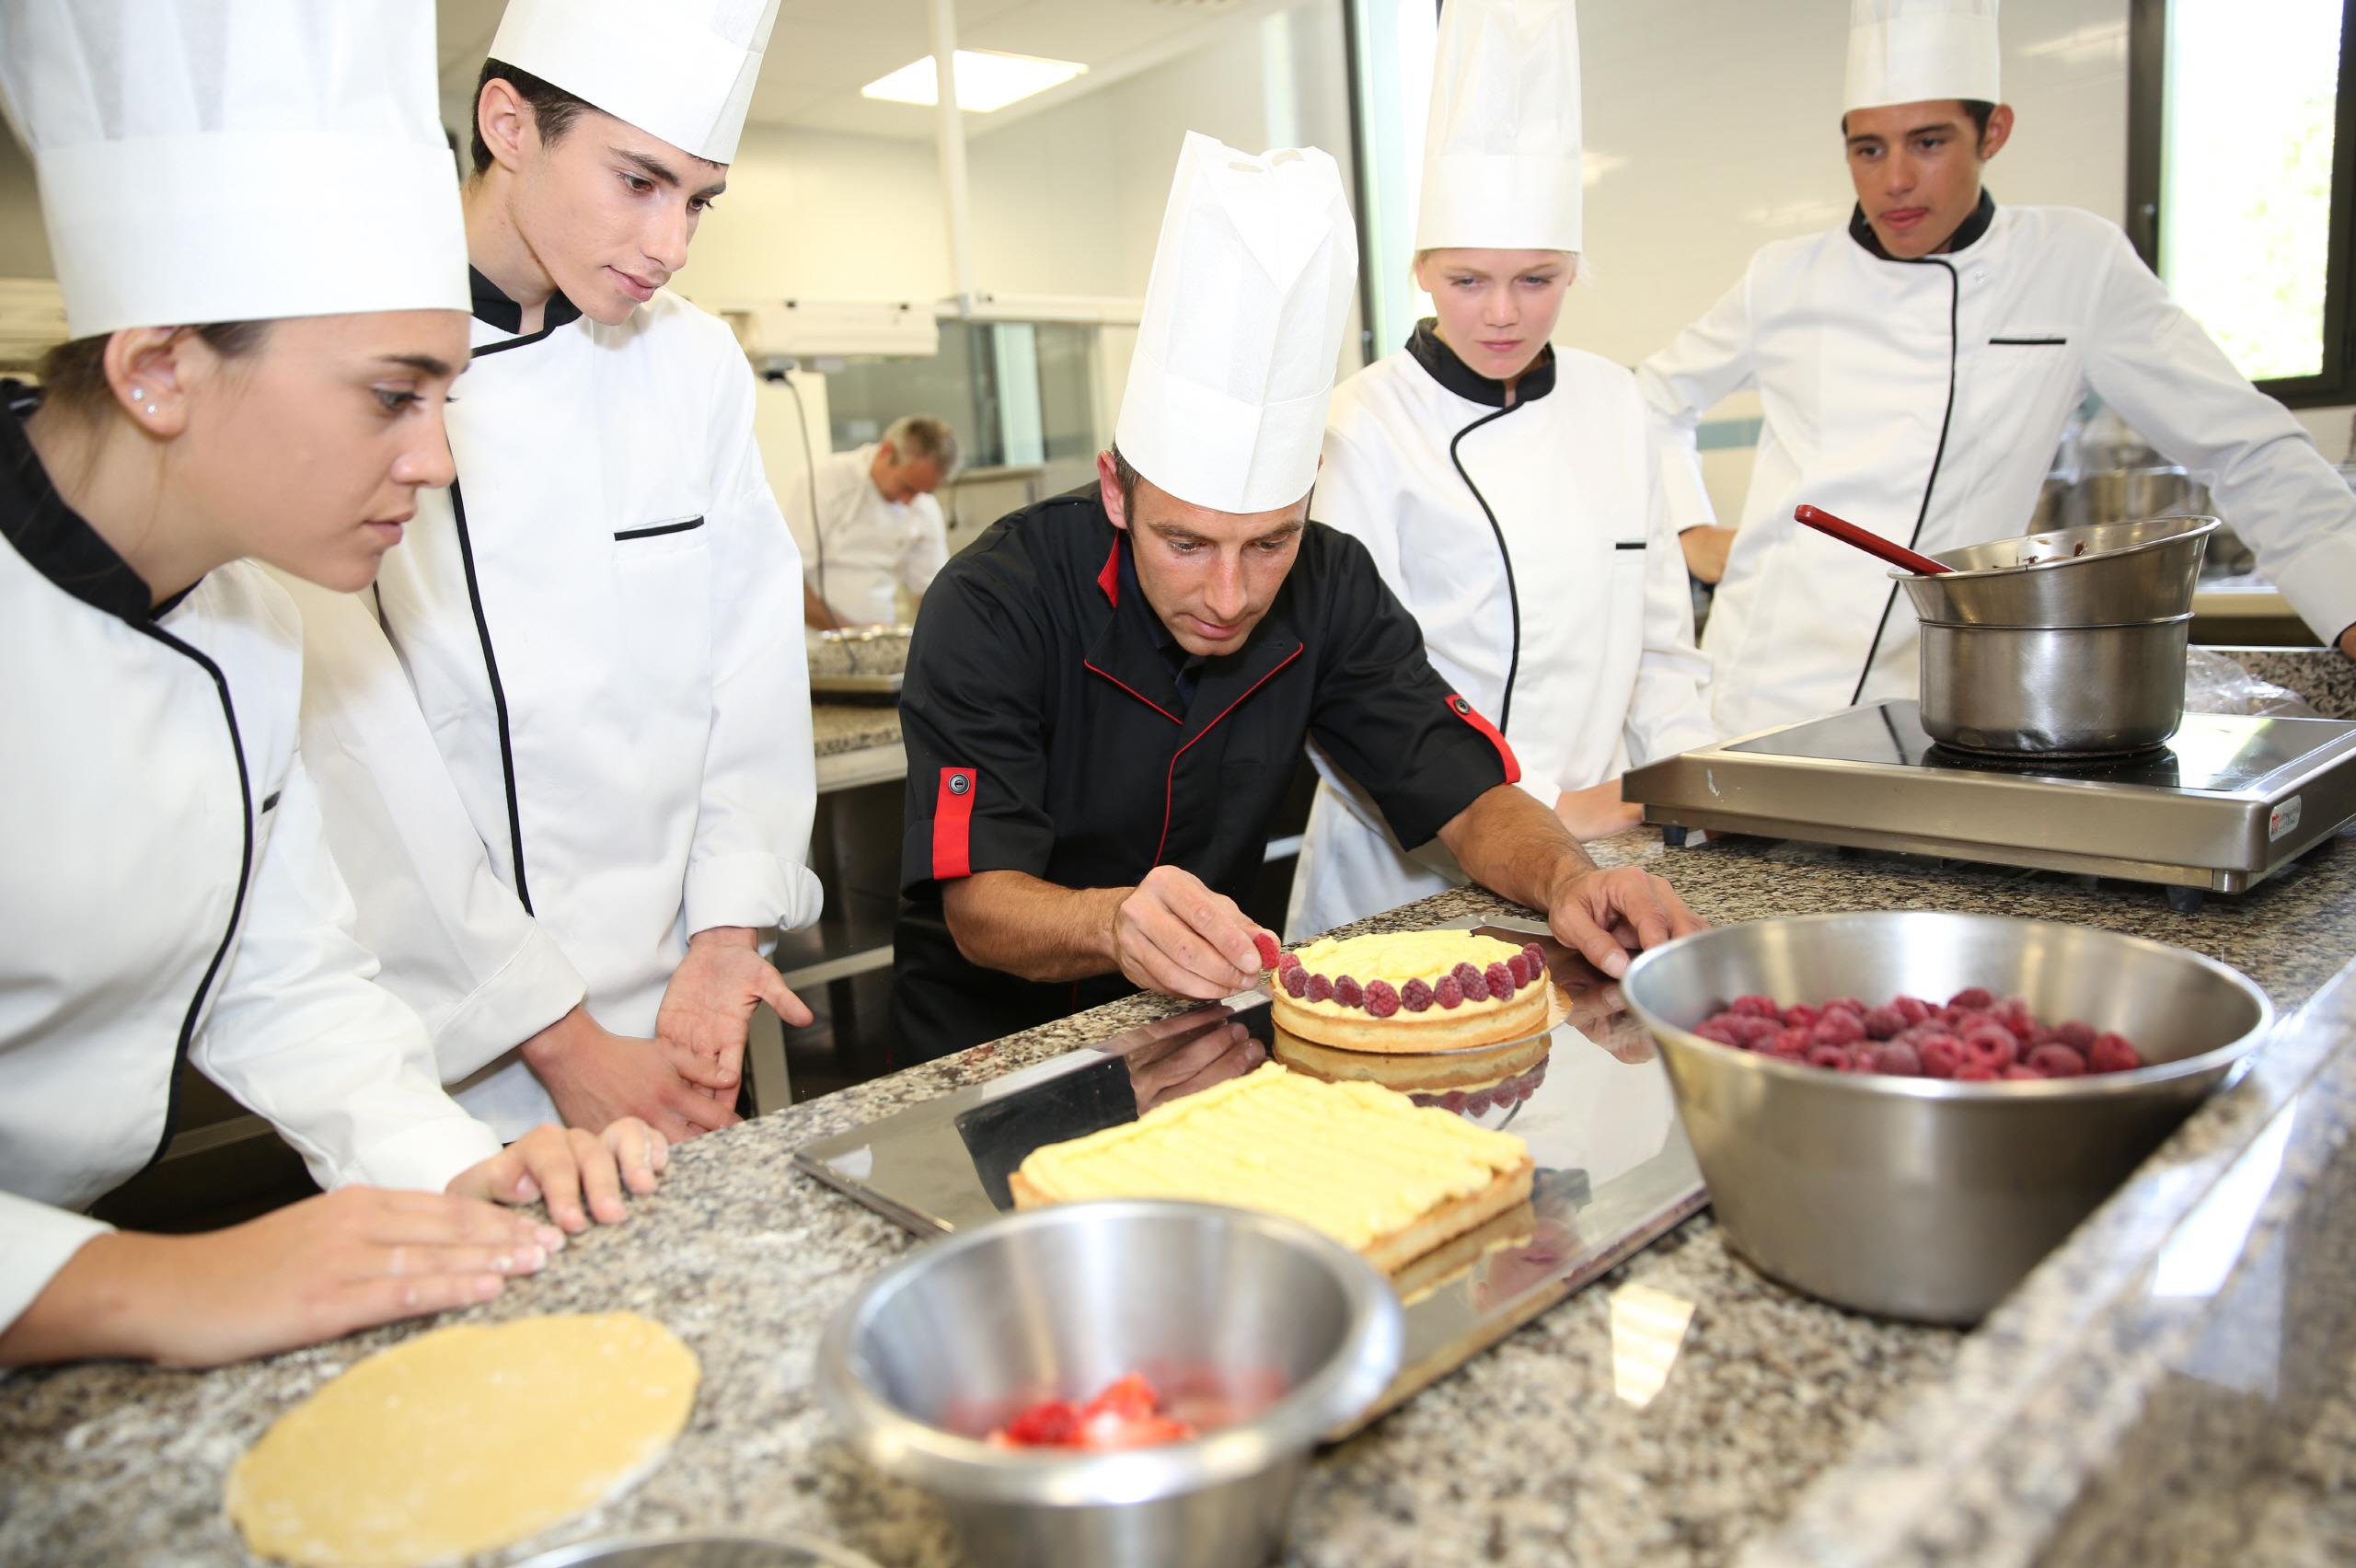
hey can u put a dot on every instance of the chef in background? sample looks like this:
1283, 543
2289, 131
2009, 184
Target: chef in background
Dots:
877, 528
1915, 370
1107, 690
1508, 492
564, 746
250, 376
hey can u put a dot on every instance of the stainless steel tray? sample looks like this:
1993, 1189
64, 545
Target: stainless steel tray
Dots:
857, 685
1614, 1171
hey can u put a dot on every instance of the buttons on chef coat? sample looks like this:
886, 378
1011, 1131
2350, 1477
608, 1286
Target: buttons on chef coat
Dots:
1461, 707
959, 783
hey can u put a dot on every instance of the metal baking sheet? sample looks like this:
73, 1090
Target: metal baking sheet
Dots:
857, 685
1613, 1168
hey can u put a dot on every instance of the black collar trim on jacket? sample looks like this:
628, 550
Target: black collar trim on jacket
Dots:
493, 309
1440, 362
1967, 234
56, 540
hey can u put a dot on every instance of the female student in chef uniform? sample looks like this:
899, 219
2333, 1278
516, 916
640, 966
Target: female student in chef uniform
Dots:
164, 891
1506, 489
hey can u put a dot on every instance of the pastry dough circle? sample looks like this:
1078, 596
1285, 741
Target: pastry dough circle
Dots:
464, 1439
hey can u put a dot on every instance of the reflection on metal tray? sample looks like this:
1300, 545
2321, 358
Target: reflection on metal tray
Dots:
876, 685
1615, 1172
2226, 803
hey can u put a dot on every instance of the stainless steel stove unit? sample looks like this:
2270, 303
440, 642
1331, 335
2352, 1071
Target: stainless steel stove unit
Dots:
2224, 804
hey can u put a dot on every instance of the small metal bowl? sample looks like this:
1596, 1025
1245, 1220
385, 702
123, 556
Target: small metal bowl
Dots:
2102, 574
1926, 1198
1058, 1302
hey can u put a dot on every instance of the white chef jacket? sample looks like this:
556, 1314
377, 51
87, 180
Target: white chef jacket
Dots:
164, 891
873, 545
607, 743
1607, 673
1923, 399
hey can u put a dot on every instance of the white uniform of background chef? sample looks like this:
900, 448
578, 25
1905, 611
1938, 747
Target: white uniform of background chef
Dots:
608, 747
883, 529
165, 890
1525, 529
1916, 371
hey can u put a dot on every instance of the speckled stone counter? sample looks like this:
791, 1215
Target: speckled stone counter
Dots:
2325, 677
1902, 1440
838, 727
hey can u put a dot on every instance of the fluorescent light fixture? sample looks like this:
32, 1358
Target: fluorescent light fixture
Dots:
985, 80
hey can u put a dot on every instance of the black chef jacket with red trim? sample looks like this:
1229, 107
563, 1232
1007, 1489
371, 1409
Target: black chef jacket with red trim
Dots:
1046, 734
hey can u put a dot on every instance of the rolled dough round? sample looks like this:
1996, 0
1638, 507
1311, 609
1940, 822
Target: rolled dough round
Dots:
464, 1439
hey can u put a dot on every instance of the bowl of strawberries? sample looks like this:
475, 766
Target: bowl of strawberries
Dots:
1903, 1112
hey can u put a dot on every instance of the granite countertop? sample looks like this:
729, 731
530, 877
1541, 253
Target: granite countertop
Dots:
1787, 1428
838, 727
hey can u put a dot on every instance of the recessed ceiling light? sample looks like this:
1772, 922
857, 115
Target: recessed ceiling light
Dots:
985, 80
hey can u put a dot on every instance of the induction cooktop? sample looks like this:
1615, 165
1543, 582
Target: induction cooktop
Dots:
2226, 803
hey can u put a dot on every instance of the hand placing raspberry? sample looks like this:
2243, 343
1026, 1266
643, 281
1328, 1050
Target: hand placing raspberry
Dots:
1270, 951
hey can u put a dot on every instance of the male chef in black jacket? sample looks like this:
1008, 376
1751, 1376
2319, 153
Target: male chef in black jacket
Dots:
1107, 692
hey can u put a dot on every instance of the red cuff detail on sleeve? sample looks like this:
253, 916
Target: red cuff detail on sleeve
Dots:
953, 814
1471, 716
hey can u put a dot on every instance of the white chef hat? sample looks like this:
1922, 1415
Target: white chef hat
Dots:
1235, 355
236, 160
682, 70
1501, 156
1921, 51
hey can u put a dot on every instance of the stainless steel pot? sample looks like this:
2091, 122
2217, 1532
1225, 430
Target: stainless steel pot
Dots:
2067, 689
1064, 1300
2109, 574
2115, 495
1926, 1198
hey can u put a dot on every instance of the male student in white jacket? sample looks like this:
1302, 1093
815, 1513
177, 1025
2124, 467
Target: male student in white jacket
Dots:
1916, 371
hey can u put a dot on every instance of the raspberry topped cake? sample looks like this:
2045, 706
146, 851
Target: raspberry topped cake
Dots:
1412, 991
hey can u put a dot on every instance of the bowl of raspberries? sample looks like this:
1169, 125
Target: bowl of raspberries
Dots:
1903, 1112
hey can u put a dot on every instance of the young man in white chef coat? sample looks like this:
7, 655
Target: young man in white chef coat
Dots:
250, 379
1916, 369
877, 528
1508, 492
581, 795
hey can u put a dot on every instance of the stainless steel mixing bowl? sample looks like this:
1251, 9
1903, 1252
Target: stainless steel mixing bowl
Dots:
2065, 690
2104, 574
1059, 1302
1925, 1198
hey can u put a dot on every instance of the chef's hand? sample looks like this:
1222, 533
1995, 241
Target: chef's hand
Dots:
1705, 551
1597, 812
312, 1271
2348, 642
1173, 935
708, 1007
573, 1171
597, 1077
1604, 916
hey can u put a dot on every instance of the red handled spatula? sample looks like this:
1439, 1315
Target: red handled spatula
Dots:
1873, 544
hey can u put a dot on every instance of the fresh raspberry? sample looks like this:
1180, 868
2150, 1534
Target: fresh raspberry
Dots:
2032, 1034
1269, 952
1319, 988
1452, 1100
1476, 985
2022, 1072
1900, 1061
1465, 974
1479, 1102
1296, 981
2058, 1061
1799, 1015
1847, 1005
2113, 1054
1973, 998
1884, 1022
1941, 1058
1348, 992
1838, 1027
1720, 1028
1537, 959
1448, 993
1287, 962
1757, 1006
1415, 997
1756, 1032
1381, 1000
1790, 1043
1518, 966
1992, 1043
2075, 1035
1975, 1072
1829, 1056
1501, 981
1915, 1009
2013, 1014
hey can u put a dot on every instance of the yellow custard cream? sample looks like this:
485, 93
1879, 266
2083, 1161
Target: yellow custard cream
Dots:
1355, 1160
1399, 957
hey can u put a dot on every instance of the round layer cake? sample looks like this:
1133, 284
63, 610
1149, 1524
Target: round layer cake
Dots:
1412, 991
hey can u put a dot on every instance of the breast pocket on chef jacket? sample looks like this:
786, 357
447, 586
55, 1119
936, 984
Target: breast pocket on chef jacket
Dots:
2023, 378
663, 578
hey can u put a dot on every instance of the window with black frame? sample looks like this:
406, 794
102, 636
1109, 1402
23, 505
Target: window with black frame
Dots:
2242, 179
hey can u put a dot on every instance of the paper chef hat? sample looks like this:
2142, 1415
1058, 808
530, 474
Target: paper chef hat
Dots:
682, 70
1234, 363
1501, 157
236, 160
1921, 51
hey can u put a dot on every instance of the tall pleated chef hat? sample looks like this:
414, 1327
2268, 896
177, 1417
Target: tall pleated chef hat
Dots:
1501, 153
683, 70
1225, 405
236, 160
1921, 51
